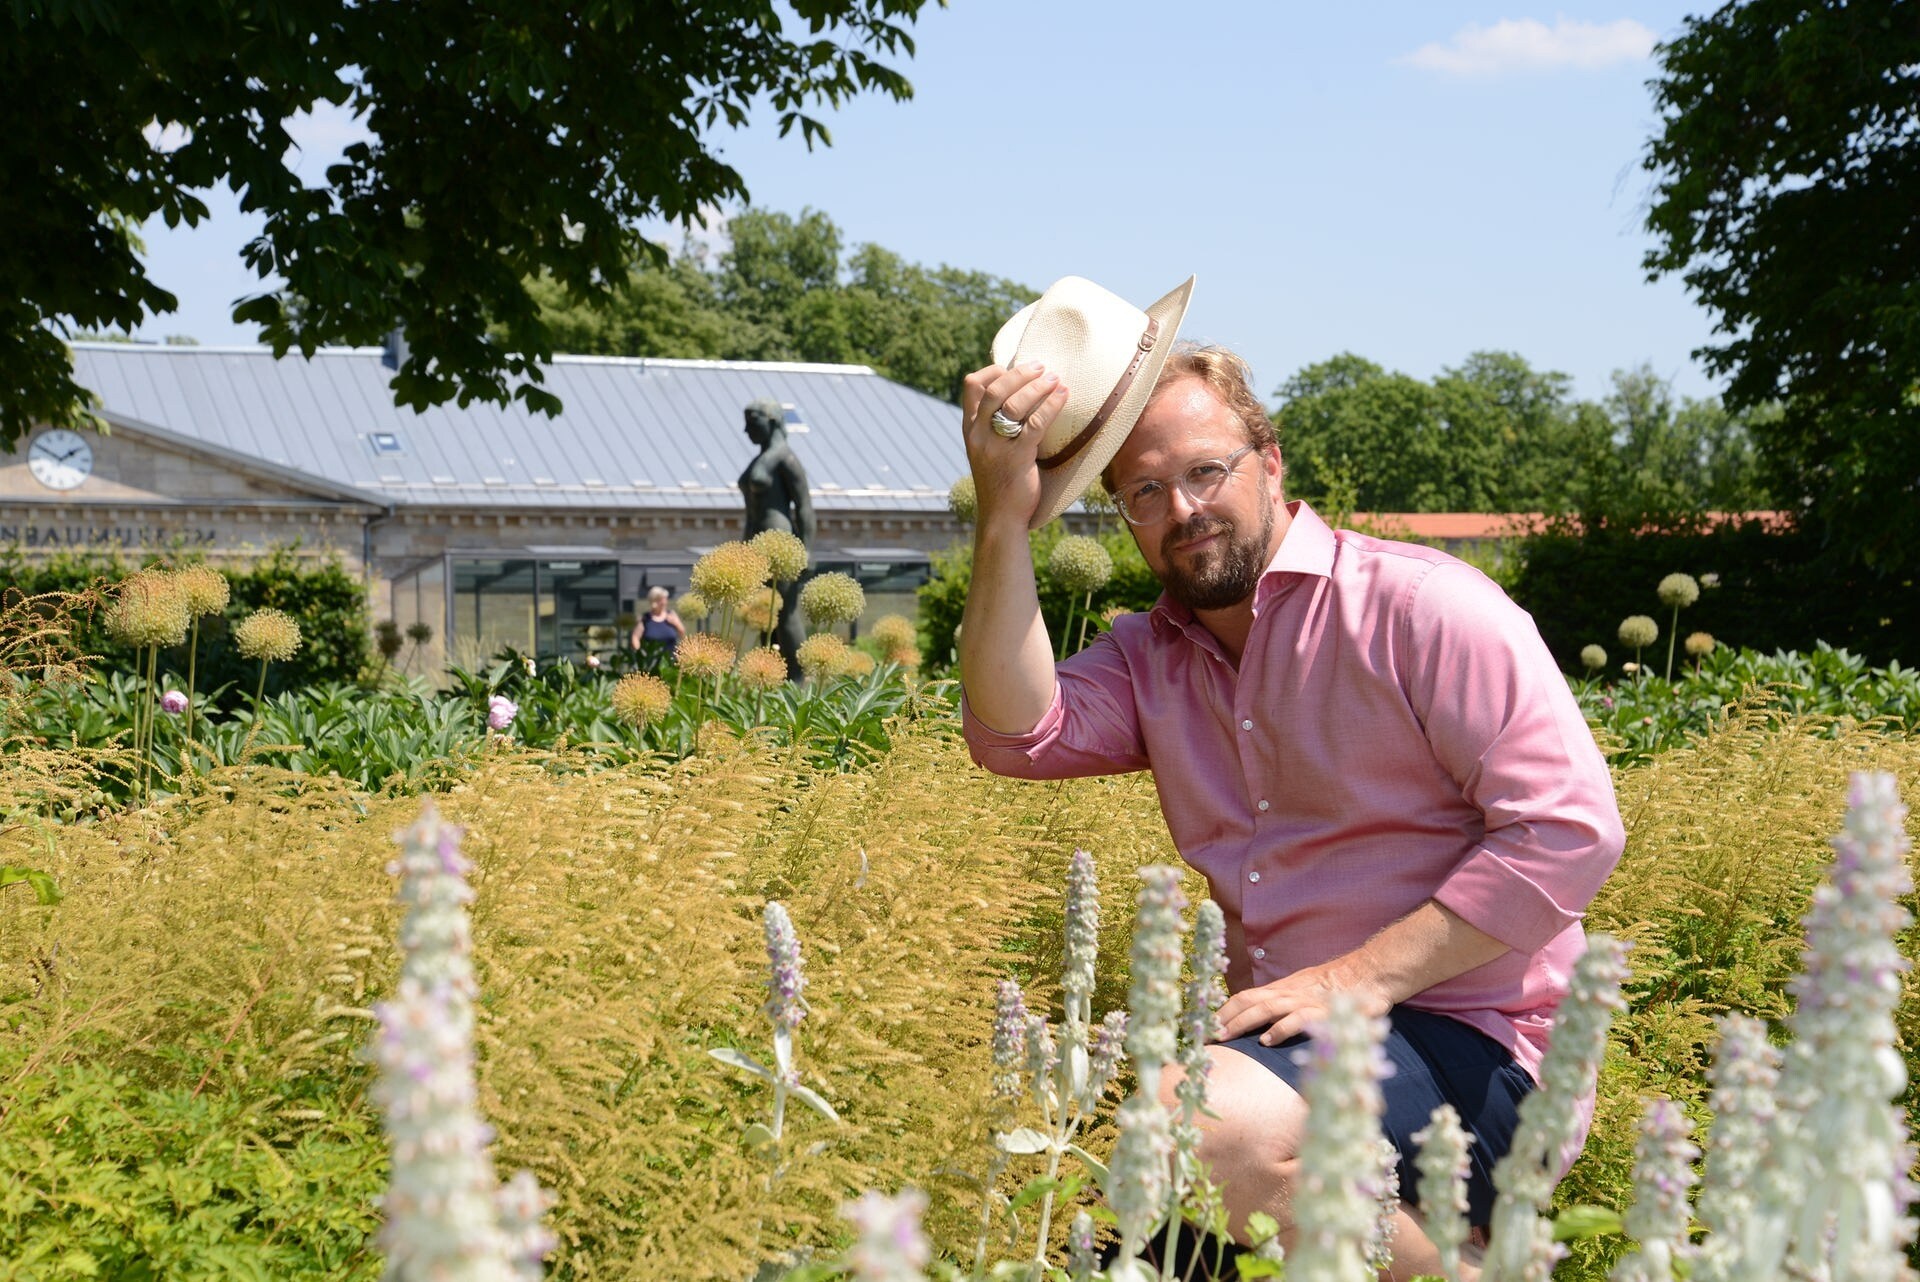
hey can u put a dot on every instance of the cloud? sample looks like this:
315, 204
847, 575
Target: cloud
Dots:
1526, 44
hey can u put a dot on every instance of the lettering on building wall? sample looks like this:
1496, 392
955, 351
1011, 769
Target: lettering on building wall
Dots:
95, 536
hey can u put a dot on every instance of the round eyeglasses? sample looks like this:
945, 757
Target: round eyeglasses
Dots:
1148, 502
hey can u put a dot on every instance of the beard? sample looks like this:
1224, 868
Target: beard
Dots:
1226, 573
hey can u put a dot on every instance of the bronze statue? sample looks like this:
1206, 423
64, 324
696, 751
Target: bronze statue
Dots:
775, 488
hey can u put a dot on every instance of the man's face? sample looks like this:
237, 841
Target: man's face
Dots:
1210, 556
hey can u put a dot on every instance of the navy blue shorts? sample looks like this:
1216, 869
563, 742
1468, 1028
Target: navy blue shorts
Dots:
1436, 1060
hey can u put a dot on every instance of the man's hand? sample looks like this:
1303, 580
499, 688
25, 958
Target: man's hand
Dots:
1286, 1006
1006, 477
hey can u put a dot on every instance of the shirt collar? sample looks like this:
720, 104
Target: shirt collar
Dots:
1306, 549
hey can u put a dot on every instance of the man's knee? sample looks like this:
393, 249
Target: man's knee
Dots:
1258, 1119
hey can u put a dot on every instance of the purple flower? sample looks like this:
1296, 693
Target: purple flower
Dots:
785, 1006
174, 702
501, 711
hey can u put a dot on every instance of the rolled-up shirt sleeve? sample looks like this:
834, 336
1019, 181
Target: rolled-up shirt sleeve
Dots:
1092, 726
1505, 726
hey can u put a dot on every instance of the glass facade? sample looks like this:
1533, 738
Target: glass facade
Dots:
541, 607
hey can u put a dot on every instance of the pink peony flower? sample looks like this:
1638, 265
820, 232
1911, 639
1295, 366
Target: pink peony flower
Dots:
501, 711
173, 701
593, 661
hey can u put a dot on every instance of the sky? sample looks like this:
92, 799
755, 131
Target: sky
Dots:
1409, 180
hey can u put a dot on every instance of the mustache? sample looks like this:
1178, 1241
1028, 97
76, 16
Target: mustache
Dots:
1198, 526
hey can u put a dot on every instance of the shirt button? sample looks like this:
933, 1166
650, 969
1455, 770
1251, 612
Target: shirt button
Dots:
1253, 876
1259, 954
1247, 724
1264, 803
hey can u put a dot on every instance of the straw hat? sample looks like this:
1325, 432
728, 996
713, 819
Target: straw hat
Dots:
1109, 353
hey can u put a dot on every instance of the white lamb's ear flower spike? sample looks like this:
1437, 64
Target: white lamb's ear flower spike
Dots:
1838, 1152
889, 1245
1744, 1076
1154, 998
1082, 1259
1522, 1246
1083, 944
1660, 1217
1335, 1195
1443, 1165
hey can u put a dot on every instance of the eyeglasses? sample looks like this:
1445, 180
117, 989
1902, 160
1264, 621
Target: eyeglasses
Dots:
1148, 502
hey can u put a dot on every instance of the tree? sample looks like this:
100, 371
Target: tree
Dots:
1787, 197
510, 144
782, 291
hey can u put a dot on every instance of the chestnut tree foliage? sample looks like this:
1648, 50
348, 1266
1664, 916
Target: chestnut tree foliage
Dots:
509, 142
1787, 197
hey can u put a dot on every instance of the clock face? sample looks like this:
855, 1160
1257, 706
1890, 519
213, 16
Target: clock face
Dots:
60, 459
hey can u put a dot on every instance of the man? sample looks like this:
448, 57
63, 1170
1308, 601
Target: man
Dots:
1363, 745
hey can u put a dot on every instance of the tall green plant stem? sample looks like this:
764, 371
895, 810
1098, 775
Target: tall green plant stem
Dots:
1673, 630
1086, 615
193, 655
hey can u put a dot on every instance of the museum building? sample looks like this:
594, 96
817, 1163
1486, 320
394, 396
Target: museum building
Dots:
492, 524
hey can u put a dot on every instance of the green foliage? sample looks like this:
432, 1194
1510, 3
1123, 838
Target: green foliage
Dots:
326, 601
507, 144
784, 290
1496, 435
1777, 591
1784, 191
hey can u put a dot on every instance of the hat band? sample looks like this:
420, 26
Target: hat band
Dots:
1099, 420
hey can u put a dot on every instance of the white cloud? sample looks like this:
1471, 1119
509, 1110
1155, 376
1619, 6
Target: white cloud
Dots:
1527, 44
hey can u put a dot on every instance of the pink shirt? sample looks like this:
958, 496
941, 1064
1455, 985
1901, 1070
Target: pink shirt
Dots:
1396, 732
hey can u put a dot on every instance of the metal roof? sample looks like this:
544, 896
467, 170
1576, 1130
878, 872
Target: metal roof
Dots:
638, 433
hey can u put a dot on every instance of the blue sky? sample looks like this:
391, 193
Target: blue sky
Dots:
1411, 180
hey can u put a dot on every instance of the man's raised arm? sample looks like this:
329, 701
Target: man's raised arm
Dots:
1006, 659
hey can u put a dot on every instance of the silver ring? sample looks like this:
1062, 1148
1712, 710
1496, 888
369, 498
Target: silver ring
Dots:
1008, 427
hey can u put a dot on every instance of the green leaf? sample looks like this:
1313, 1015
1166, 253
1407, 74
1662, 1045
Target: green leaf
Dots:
812, 1099
758, 1137
728, 1055
1252, 1266
1022, 1140
1261, 1227
1578, 1223
1091, 1162
1032, 1191
42, 885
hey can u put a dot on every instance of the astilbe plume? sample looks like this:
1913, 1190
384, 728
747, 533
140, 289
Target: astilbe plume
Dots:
762, 668
832, 598
1443, 1165
443, 1204
639, 699
786, 554
1659, 1218
703, 656
1833, 1202
729, 574
1521, 1246
1334, 1205
889, 1245
267, 635
1743, 1077
821, 655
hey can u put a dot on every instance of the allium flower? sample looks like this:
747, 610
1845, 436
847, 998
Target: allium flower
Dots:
640, 699
832, 598
1839, 1152
963, 500
703, 656
1079, 564
501, 711
1745, 1072
522, 1206
267, 635
729, 573
1679, 590
858, 663
761, 608
889, 1245
1333, 1206
1096, 499
784, 551
1710, 580
419, 632
691, 607
821, 655
205, 588
1699, 644
785, 983
1443, 1165
762, 668
1638, 631
1083, 943
1593, 658
1009, 1042
1659, 1219
1522, 1245
149, 609
173, 701
1154, 998
893, 633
